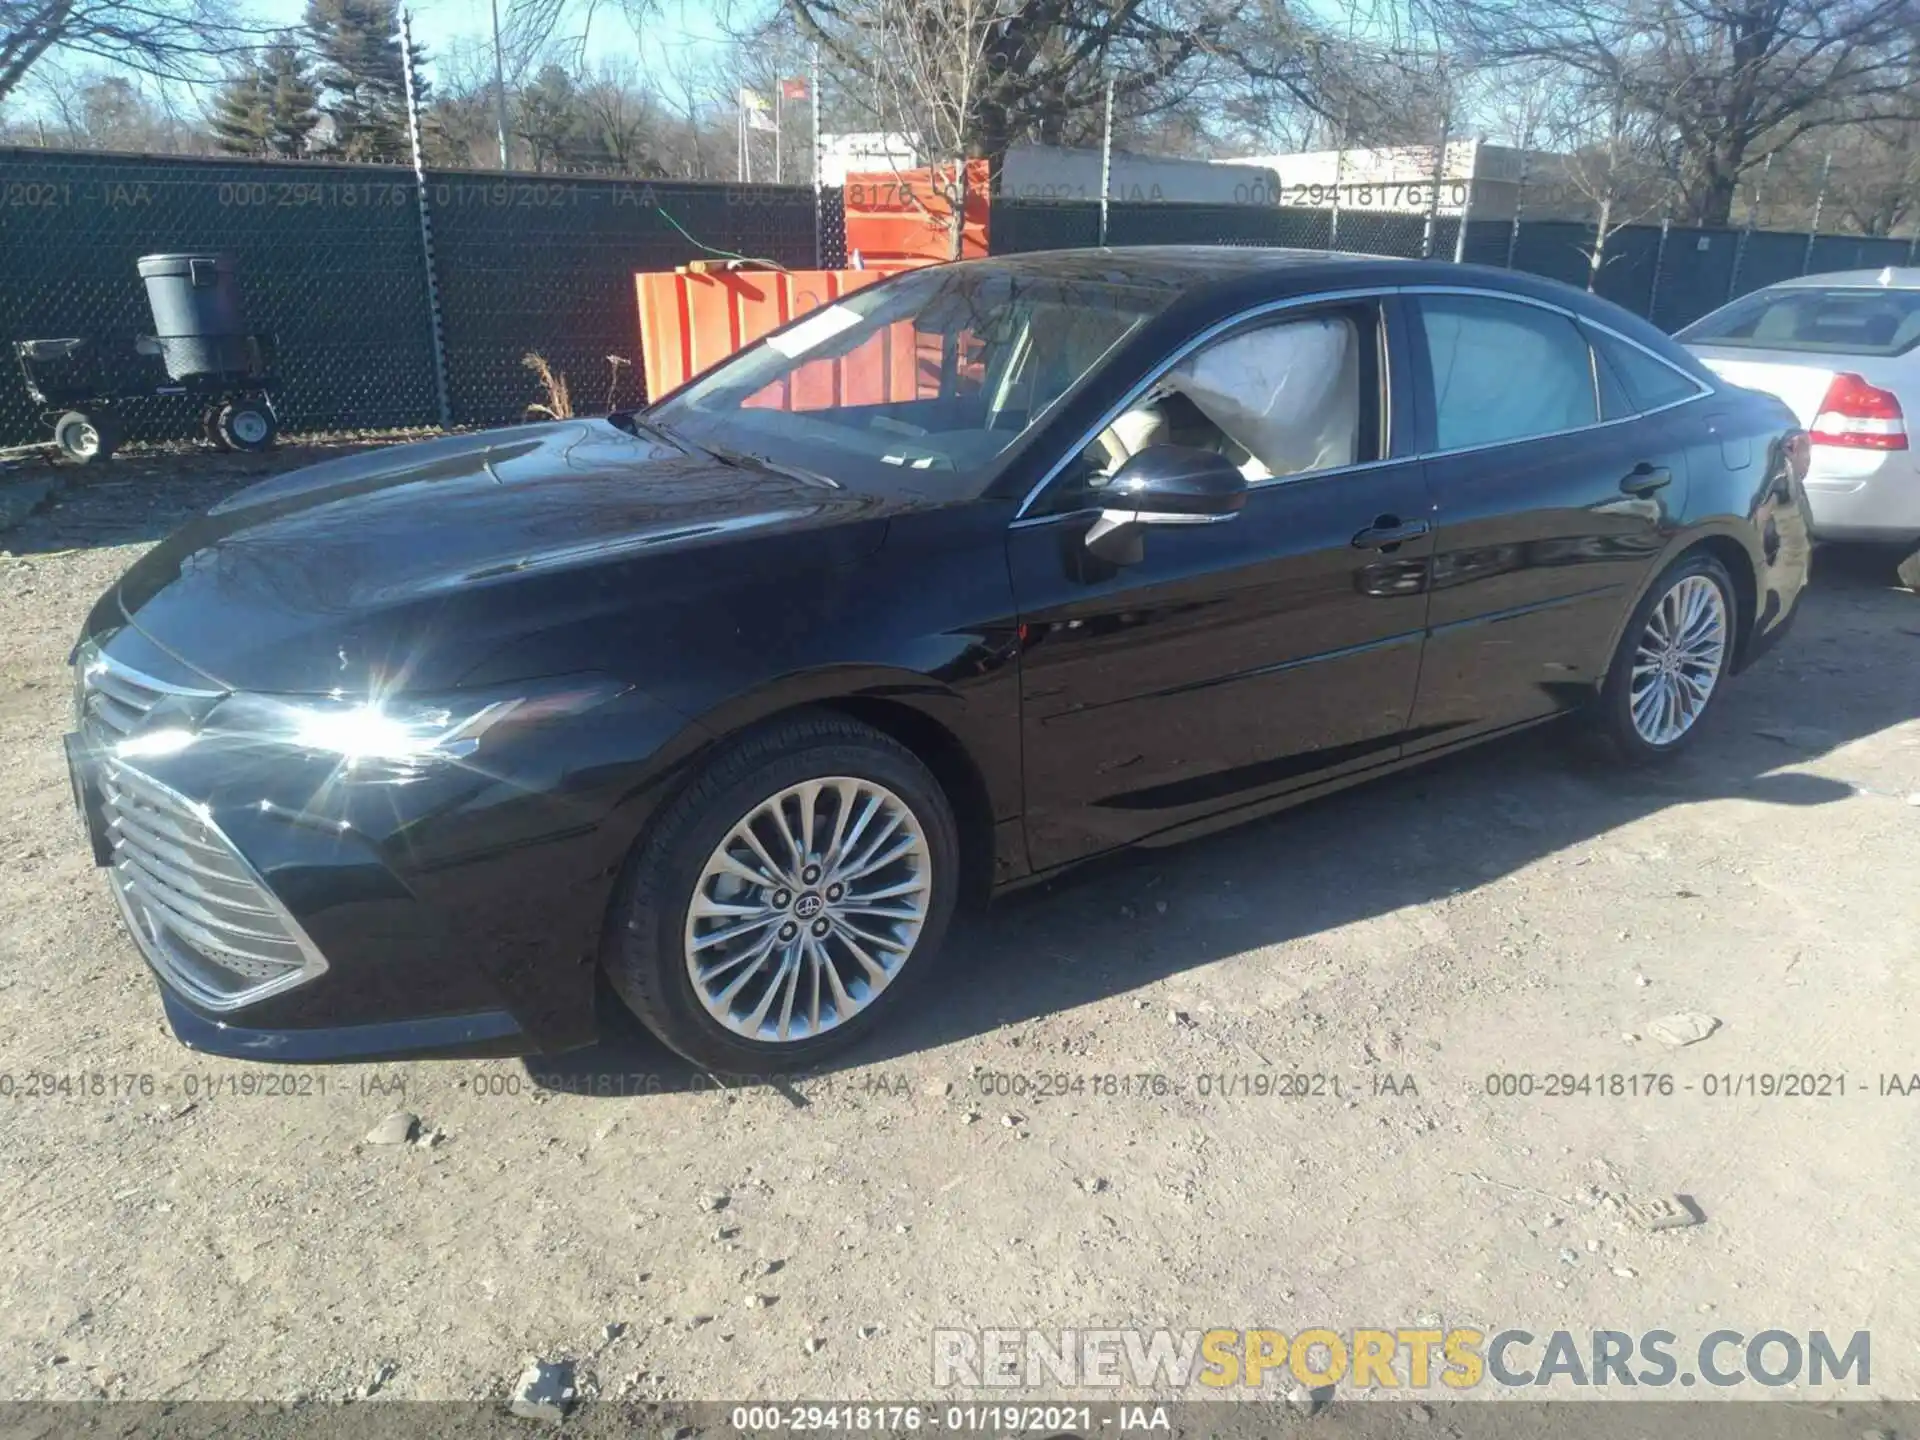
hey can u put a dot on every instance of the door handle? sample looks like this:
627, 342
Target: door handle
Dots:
1645, 478
1387, 531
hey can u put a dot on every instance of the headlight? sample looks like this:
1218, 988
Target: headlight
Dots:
398, 732
391, 737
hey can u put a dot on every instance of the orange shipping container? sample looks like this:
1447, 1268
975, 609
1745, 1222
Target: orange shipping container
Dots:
689, 323
894, 215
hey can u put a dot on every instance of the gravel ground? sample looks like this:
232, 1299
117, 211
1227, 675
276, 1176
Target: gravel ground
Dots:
1519, 910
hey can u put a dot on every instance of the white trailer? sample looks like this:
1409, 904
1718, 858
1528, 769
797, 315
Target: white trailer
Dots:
1052, 172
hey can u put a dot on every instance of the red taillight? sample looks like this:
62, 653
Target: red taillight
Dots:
1860, 416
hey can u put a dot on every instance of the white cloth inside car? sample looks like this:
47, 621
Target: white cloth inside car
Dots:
1135, 431
1289, 394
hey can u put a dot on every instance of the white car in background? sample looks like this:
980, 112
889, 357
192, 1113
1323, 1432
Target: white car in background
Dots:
1843, 351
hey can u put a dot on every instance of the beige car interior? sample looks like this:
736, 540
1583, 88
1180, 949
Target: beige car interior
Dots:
1279, 402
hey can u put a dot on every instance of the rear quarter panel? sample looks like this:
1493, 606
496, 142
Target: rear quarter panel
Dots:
1746, 493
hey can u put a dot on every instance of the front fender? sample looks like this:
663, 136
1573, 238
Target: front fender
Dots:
977, 709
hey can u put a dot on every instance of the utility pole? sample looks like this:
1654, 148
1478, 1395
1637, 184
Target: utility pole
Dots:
1746, 234
1519, 200
1439, 169
1819, 204
499, 88
813, 99
442, 406
1106, 162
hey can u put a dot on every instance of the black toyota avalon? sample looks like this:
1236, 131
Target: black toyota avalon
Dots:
970, 576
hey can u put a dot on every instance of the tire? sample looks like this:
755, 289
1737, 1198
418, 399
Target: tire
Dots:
1646, 734
653, 930
1909, 571
210, 428
86, 437
245, 425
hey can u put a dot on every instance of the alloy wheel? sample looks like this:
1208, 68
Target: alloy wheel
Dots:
808, 909
1679, 660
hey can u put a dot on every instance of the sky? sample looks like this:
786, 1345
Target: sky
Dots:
438, 23
680, 26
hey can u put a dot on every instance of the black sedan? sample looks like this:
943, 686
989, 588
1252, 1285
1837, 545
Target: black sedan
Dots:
963, 579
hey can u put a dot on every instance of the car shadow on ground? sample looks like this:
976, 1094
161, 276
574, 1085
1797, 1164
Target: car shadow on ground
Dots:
1405, 840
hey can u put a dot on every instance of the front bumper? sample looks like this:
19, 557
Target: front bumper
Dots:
484, 1035
459, 914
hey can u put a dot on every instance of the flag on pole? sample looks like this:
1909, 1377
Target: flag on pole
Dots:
753, 105
795, 89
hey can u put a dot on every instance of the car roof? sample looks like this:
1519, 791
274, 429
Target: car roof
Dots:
1890, 277
1196, 268
1218, 279
1174, 260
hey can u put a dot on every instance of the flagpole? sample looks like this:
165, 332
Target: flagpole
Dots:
813, 99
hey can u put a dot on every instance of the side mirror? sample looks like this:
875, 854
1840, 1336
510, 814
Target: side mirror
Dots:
1163, 485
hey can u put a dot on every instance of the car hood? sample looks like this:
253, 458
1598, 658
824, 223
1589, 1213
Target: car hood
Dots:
419, 562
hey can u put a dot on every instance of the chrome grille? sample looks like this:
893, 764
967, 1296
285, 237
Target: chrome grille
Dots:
198, 909
110, 699
200, 913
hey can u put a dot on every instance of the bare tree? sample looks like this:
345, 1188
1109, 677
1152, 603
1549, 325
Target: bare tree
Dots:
689, 93
1614, 164
1033, 70
462, 128
1731, 80
1520, 105
622, 119
928, 64
98, 110
1874, 184
537, 32
171, 39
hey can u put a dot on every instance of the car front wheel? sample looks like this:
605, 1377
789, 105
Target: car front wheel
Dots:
788, 899
1672, 661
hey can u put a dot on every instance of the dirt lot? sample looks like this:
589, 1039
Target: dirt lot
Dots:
1522, 910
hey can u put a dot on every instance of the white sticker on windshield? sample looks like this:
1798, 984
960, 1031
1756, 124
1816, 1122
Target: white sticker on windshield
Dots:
813, 331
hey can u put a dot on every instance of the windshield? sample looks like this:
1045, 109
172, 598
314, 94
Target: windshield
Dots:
938, 372
1839, 321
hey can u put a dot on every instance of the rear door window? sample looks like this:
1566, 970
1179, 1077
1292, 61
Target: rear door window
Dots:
1633, 382
1839, 320
1502, 370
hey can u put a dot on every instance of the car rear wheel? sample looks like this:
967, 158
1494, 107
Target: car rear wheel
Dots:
788, 899
1672, 661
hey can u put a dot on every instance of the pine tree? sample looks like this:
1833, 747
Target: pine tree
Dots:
269, 108
293, 102
239, 119
550, 119
362, 77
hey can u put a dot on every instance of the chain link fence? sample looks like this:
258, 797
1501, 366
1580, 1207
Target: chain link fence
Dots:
333, 262
1668, 273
